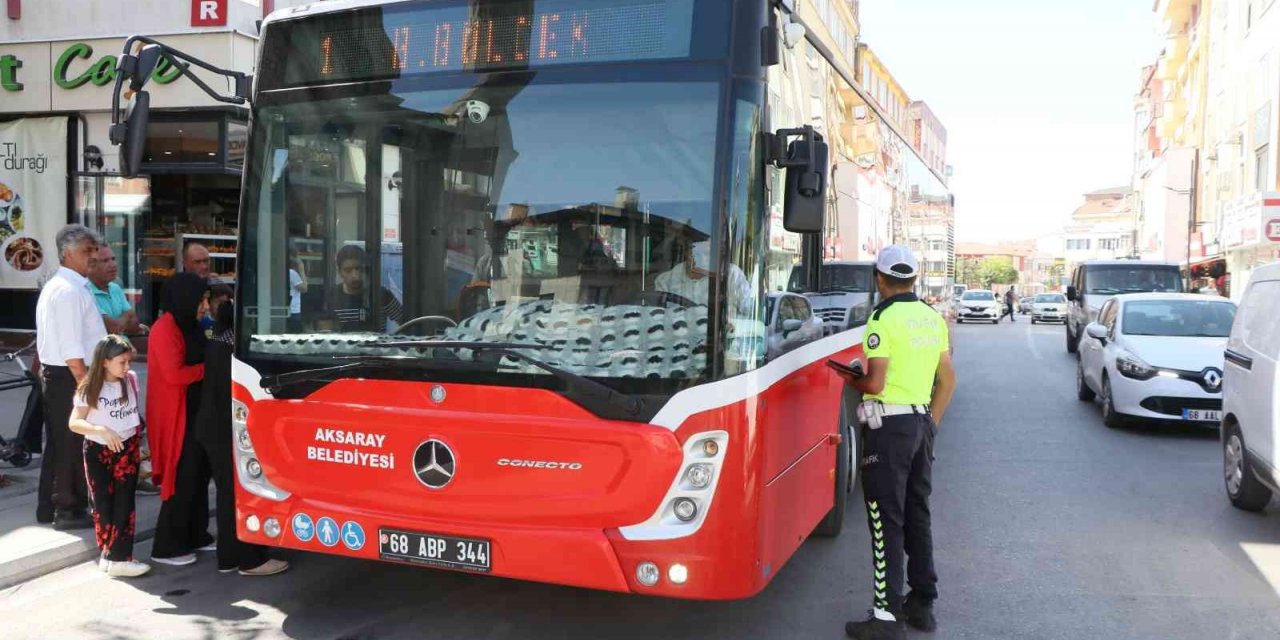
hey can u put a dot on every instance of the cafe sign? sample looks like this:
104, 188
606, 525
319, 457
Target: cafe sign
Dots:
78, 75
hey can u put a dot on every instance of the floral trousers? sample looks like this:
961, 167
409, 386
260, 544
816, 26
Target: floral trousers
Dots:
113, 478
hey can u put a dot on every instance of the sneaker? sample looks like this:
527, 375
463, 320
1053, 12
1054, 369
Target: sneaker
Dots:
227, 569
145, 488
102, 563
919, 613
127, 569
212, 546
177, 561
268, 568
874, 628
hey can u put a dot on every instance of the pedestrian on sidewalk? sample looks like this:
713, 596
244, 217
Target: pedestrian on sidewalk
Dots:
907, 387
213, 431
1010, 299
68, 328
175, 368
106, 414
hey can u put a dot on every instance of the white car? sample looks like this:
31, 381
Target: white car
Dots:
1251, 408
979, 304
1049, 307
1156, 356
790, 323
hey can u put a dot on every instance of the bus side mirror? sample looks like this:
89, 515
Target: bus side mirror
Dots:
1071, 294
131, 135
805, 159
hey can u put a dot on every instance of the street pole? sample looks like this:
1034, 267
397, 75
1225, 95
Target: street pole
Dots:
1191, 210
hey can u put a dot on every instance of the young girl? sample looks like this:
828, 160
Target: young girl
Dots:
106, 413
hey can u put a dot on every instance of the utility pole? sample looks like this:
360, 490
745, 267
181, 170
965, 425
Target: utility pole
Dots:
1191, 209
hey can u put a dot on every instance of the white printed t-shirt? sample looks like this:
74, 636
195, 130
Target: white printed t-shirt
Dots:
113, 412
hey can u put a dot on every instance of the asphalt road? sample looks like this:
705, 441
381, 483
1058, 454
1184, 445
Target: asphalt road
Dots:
1047, 525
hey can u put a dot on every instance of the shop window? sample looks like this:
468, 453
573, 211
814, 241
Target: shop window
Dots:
182, 142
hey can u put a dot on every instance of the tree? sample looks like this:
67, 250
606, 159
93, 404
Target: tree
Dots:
996, 271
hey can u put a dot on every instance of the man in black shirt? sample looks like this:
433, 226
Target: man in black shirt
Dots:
350, 303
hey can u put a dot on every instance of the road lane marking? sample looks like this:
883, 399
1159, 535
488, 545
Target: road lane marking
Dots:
1035, 351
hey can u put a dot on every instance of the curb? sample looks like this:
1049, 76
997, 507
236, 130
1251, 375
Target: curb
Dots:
58, 557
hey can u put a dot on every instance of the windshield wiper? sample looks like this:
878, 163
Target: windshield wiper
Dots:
587, 393
1106, 290
272, 384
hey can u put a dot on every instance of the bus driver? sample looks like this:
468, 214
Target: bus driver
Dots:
688, 280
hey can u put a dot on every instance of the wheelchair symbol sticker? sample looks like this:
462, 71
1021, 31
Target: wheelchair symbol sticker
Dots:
303, 529
352, 535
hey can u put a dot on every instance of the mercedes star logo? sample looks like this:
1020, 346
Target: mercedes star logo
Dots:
1213, 378
433, 464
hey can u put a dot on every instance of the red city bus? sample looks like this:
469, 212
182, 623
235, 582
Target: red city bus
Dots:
516, 295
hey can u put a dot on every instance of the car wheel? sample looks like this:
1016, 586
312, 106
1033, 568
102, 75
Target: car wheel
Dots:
1071, 342
1033, 320
1243, 488
1110, 417
833, 523
1083, 392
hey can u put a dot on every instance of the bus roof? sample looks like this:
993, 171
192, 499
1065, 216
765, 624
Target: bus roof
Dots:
318, 8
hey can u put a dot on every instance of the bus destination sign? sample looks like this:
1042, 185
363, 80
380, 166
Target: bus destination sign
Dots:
507, 35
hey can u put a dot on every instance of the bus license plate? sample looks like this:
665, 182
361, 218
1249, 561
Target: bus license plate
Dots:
1201, 415
448, 552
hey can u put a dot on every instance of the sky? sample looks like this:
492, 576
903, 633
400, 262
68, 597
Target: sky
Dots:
1036, 95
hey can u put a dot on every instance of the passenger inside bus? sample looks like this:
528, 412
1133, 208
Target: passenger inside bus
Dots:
350, 301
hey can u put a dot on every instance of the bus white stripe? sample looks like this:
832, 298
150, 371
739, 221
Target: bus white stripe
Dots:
721, 393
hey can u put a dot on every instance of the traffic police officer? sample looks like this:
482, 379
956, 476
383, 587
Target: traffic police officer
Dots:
906, 389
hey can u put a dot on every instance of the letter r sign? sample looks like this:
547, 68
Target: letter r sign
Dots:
208, 13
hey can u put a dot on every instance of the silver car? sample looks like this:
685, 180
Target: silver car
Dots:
1049, 307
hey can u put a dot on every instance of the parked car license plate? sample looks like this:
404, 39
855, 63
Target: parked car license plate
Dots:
1201, 415
449, 552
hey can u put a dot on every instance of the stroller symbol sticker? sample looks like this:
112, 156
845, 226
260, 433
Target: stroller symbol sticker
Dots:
303, 528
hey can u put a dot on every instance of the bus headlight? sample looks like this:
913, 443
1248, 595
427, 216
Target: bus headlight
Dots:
685, 509
250, 474
698, 476
647, 574
678, 573
688, 500
271, 527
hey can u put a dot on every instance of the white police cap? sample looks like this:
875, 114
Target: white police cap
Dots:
897, 261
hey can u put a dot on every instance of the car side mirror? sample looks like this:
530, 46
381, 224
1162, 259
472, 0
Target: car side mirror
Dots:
1097, 331
791, 325
1072, 294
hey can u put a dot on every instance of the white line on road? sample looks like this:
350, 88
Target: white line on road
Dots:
1035, 351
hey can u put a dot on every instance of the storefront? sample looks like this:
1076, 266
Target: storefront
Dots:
1243, 236
55, 98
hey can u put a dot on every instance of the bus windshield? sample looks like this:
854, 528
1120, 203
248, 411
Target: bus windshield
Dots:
572, 216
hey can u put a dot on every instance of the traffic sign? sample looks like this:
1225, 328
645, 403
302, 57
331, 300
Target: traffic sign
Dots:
1272, 230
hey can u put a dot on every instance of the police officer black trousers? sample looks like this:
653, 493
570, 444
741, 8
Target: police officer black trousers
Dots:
897, 469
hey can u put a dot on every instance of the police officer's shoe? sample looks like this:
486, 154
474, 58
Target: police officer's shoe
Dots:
874, 628
919, 613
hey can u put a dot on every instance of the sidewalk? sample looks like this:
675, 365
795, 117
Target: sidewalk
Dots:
29, 549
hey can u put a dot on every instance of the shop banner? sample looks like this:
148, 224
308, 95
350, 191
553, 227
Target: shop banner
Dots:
33, 199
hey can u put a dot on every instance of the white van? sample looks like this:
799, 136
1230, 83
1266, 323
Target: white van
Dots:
1094, 281
1251, 408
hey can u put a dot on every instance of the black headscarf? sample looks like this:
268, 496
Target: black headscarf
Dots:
180, 297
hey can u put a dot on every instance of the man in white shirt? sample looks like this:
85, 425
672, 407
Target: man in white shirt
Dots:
689, 280
68, 328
